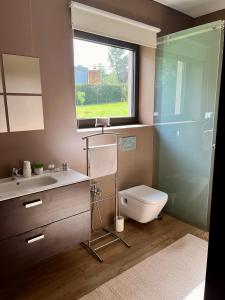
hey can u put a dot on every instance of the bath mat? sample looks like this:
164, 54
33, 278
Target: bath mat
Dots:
174, 273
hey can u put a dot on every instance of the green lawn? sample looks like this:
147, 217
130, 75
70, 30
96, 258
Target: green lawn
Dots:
117, 109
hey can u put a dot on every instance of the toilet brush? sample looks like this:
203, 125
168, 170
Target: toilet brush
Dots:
119, 219
119, 223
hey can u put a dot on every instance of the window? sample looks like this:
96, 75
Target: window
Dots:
106, 77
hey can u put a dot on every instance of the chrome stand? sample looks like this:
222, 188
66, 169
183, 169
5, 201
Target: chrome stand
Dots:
88, 245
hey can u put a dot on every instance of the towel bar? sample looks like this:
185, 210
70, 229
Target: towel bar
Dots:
88, 244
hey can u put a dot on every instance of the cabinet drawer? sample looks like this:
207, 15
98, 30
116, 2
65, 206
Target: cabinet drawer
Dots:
29, 248
28, 212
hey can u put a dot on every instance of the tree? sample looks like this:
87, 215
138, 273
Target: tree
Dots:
80, 98
103, 74
112, 78
119, 63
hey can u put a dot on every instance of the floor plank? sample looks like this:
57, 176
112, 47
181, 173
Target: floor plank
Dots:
75, 273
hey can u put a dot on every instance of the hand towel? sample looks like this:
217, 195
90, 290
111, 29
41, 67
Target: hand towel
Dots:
102, 160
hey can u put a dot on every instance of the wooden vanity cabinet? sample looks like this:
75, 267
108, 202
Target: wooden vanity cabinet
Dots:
25, 213
31, 247
43, 224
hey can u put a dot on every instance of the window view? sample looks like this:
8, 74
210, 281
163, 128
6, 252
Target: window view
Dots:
103, 80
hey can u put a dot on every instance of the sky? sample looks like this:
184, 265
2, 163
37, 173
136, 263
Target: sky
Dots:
90, 54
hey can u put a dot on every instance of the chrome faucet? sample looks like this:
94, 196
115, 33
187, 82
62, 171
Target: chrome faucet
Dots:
15, 173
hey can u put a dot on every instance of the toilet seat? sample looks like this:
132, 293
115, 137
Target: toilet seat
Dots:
142, 203
146, 194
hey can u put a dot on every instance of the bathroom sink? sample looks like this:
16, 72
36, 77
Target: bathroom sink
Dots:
10, 185
13, 188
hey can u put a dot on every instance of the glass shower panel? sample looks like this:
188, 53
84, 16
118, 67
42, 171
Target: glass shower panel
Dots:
188, 72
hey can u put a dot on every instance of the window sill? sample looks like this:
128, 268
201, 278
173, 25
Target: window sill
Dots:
96, 129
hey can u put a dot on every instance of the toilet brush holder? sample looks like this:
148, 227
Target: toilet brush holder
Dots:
119, 223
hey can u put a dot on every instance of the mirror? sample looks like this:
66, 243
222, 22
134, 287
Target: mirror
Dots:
1, 87
22, 74
25, 113
3, 124
23, 94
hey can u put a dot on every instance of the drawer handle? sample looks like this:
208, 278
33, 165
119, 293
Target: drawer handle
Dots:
33, 203
35, 239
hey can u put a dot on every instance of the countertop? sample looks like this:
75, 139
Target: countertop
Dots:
10, 188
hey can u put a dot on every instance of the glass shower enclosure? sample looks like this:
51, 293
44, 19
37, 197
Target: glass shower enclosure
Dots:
188, 73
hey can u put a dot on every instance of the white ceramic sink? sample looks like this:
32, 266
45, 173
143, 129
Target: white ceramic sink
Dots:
14, 188
10, 185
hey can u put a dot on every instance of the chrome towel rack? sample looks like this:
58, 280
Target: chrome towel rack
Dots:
90, 244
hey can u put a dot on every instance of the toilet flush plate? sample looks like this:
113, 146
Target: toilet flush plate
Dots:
128, 143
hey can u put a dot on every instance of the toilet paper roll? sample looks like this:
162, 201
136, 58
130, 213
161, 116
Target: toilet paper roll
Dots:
120, 224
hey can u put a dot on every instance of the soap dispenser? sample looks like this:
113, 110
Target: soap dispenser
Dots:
26, 169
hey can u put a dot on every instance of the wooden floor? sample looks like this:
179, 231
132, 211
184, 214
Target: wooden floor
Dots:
73, 274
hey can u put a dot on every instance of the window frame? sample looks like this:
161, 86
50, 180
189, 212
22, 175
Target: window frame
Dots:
115, 121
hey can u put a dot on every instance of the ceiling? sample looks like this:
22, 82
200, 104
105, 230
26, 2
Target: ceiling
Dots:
195, 8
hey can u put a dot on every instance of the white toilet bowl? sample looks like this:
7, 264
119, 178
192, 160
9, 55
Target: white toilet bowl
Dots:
142, 203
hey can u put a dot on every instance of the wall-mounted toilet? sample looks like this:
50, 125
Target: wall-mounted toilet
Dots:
141, 203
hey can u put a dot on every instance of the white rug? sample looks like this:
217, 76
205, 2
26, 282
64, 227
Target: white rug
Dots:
176, 272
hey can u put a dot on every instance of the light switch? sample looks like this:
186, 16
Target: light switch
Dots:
128, 143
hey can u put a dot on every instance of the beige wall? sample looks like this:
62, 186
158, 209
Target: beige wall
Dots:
42, 28
146, 85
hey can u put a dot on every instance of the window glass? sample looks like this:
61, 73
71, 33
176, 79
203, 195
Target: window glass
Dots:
104, 80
